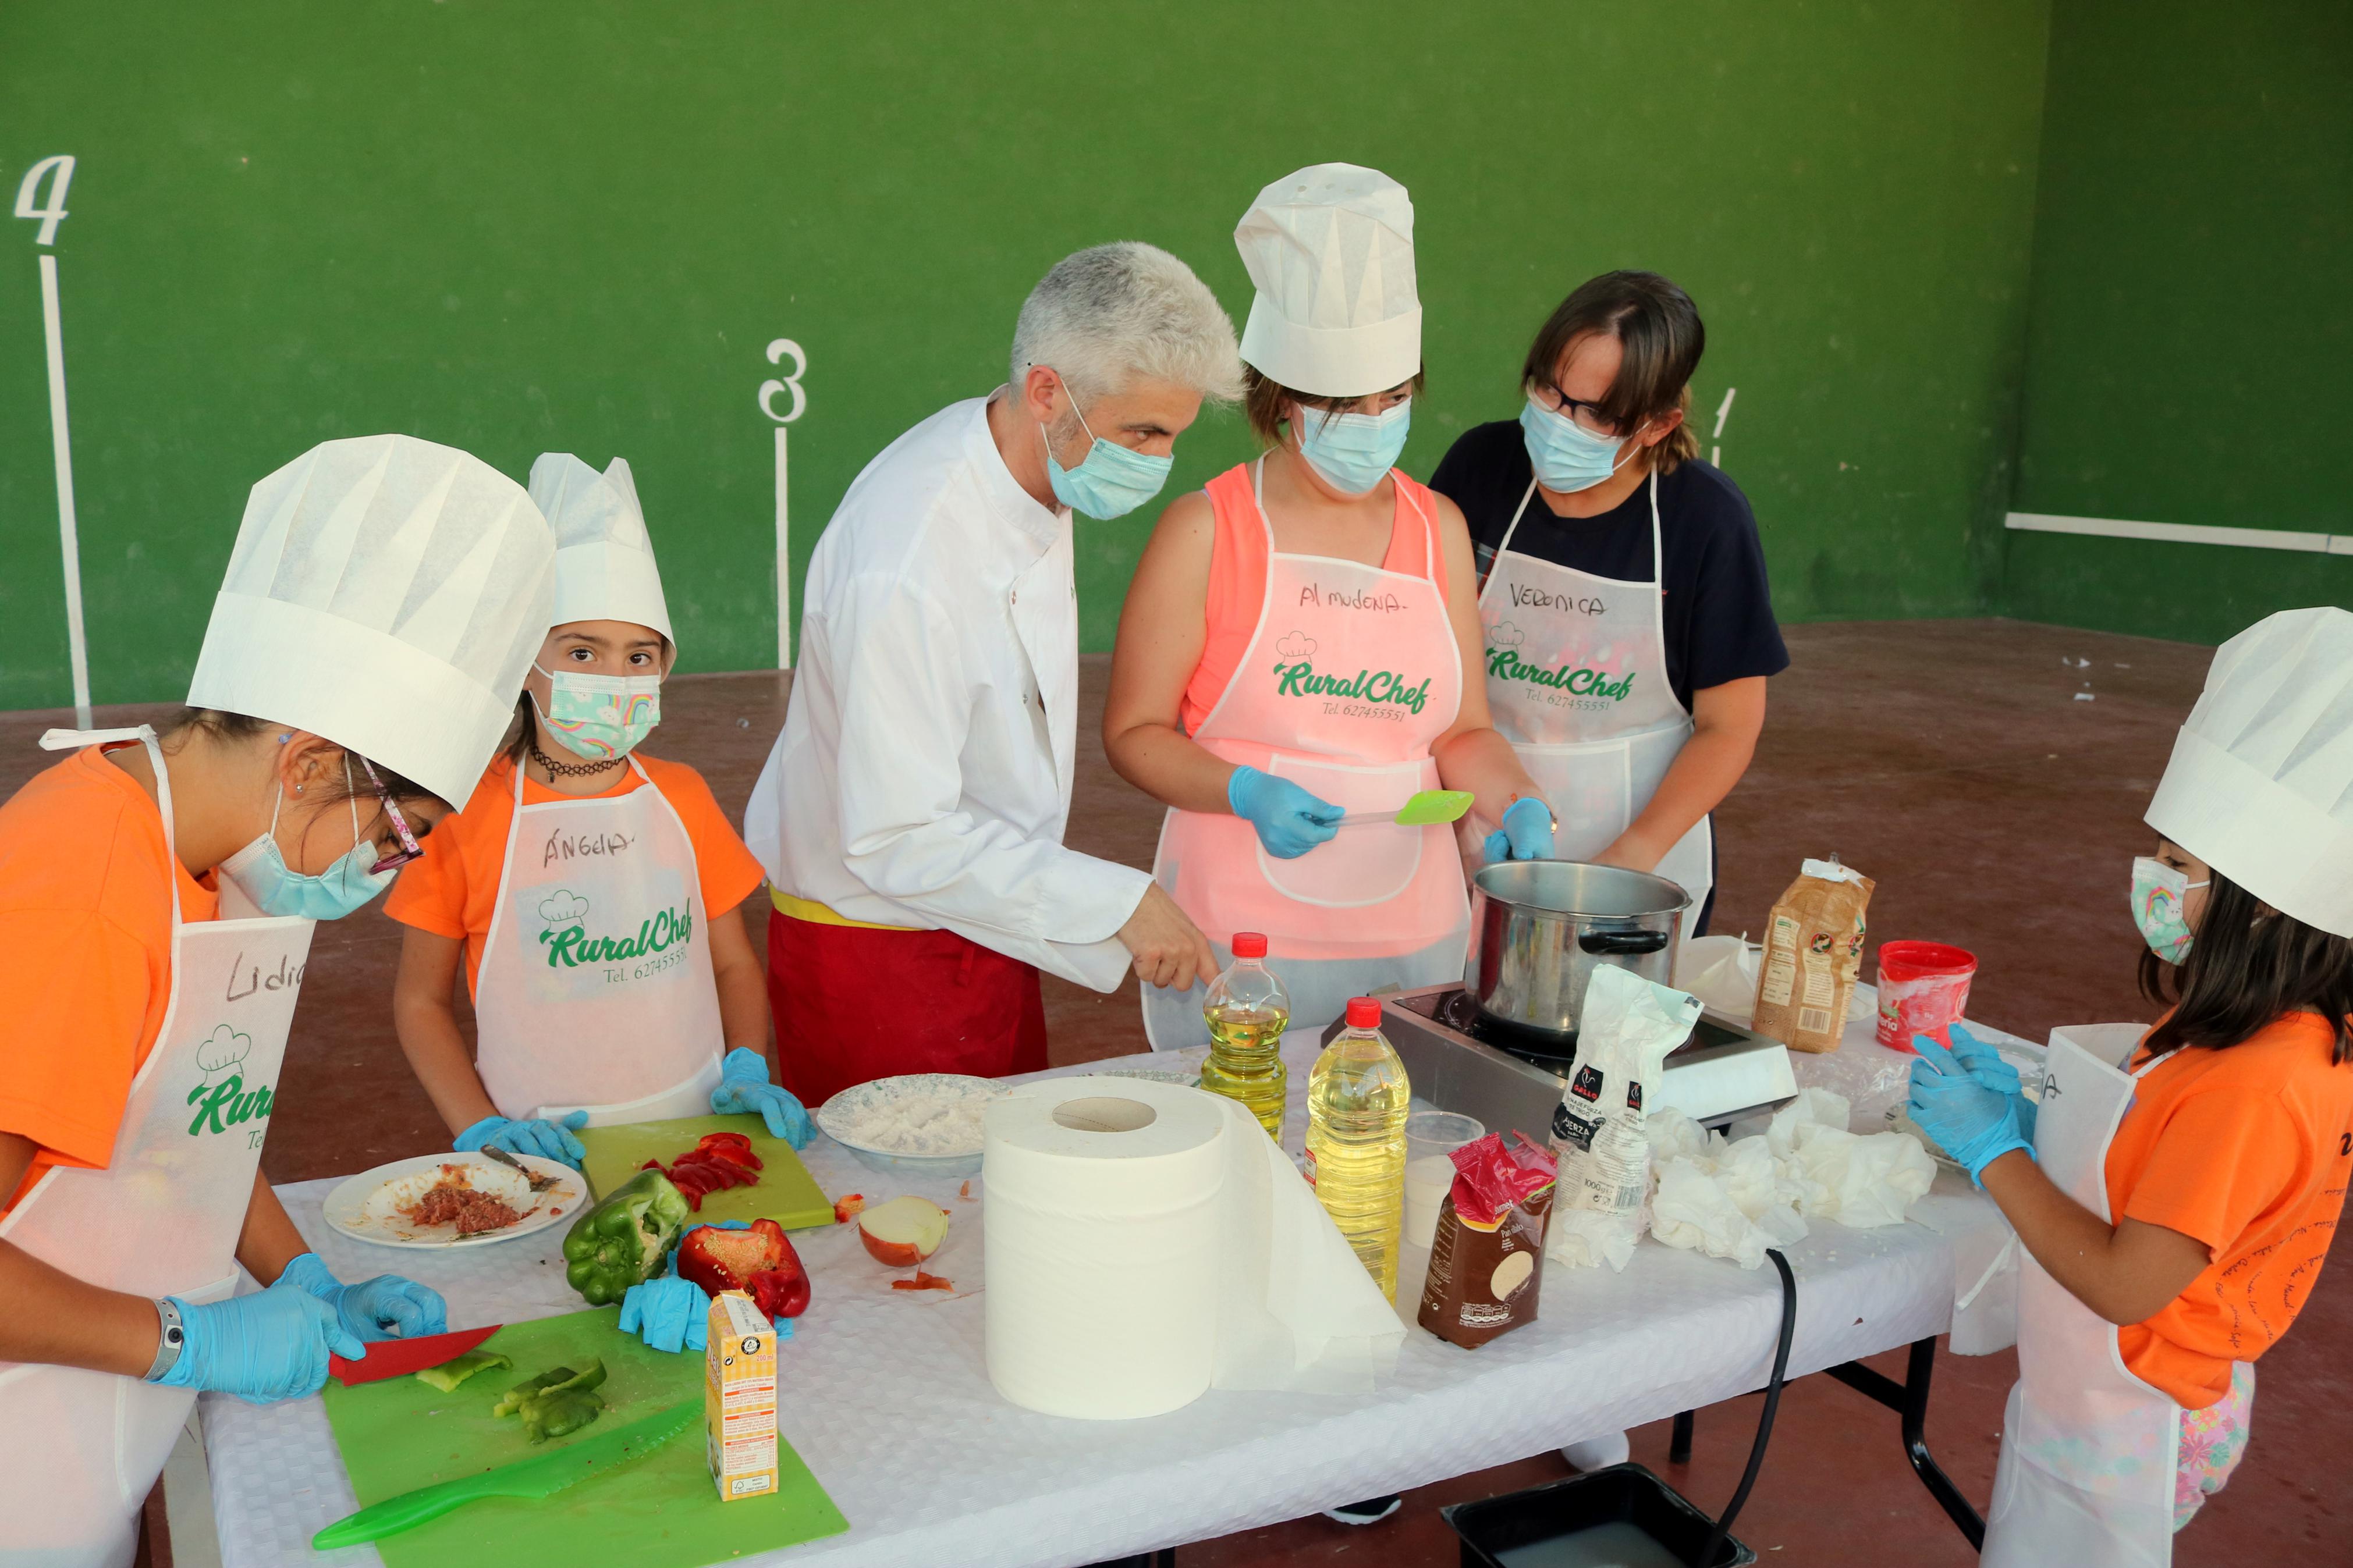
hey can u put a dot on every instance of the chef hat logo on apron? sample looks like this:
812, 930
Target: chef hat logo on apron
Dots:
562, 908
1506, 634
1295, 645
222, 1052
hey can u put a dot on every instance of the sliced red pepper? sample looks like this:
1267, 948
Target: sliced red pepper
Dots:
923, 1281
849, 1207
732, 1147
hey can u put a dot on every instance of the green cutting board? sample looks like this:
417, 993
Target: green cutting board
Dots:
661, 1511
788, 1194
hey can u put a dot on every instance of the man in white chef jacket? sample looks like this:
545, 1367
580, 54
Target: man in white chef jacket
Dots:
911, 816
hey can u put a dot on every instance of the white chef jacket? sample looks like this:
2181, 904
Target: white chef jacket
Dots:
924, 775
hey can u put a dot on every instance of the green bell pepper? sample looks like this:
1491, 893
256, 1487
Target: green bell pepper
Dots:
562, 1408
620, 1242
511, 1401
451, 1374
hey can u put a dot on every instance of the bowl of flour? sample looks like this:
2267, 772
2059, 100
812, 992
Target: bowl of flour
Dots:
924, 1124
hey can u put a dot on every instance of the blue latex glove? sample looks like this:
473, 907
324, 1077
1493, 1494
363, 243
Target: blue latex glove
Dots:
528, 1135
1526, 833
1974, 1124
745, 1089
384, 1308
1289, 820
669, 1315
265, 1347
1985, 1064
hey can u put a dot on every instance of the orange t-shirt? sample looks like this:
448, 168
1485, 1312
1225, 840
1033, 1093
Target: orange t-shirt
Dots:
85, 955
453, 891
2246, 1149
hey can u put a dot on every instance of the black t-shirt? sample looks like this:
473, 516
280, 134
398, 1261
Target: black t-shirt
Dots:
1718, 611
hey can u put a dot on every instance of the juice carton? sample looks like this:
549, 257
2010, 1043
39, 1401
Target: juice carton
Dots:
739, 1398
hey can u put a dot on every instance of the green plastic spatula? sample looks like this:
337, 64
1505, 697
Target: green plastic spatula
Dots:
1425, 807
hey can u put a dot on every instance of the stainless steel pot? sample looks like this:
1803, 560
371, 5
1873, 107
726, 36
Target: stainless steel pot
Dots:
1540, 928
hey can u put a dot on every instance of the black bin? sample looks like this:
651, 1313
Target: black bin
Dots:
1627, 1493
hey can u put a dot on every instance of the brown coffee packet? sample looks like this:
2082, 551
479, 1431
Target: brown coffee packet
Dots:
1486, 1262
1813, 953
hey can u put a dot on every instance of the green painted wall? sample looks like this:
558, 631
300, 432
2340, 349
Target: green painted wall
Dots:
2190, 335
513, 227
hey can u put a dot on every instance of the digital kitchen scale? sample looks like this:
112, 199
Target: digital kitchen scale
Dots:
1511, 1080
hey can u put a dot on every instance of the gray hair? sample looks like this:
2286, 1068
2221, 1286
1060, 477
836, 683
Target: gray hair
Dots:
1108, 316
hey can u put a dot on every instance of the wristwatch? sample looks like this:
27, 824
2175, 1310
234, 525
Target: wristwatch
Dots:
170, 1341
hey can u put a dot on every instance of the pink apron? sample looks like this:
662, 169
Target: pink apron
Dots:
1352, 673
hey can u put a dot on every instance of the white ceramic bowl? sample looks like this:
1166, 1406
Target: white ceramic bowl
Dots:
837, 1113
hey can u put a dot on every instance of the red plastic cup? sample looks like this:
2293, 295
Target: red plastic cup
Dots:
1924, 987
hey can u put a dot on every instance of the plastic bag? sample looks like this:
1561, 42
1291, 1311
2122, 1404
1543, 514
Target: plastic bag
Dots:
1628, 1027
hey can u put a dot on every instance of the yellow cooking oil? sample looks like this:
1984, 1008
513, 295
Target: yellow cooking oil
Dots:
1356, 1102
1247, 1011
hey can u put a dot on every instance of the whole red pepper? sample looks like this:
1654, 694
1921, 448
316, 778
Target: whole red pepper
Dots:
759, 1260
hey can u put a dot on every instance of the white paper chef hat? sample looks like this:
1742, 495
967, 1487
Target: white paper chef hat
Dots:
603, 560
2260, 783
1331, 251
388, 593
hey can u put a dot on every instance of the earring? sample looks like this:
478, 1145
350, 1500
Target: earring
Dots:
298, 789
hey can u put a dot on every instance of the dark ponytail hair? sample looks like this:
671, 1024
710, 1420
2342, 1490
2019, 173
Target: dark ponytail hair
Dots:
2250, 967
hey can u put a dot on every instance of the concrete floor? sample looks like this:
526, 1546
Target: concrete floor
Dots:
1990, 775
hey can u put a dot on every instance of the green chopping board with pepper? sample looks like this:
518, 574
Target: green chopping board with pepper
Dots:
660, 1512
787, 1192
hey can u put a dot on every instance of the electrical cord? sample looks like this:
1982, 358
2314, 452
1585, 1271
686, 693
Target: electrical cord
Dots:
1765, 1420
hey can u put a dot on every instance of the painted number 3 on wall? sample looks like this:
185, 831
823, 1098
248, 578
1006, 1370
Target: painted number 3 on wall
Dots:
779, 351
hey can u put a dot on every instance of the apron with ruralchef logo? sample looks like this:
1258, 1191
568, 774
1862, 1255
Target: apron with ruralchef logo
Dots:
2088, 1450
595, 992
1576, 681
80, 1451
1352, 672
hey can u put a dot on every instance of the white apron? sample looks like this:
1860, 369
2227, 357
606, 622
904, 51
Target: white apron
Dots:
80, 1451
1576, 681
2088, 1450
595, 992
1351, 673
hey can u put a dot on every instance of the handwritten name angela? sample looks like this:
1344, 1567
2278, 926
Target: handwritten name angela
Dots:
561, 847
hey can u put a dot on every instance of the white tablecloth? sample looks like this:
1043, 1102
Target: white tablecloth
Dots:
886, 1397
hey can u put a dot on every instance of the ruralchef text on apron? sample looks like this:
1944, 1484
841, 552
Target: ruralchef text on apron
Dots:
2088, 1450
80, 1450
1352, 672
596, 970
1576, 681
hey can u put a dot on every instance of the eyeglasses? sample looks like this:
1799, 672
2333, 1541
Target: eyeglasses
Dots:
1585, 416
410, 848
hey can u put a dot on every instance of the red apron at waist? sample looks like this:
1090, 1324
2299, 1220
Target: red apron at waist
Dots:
854, 1002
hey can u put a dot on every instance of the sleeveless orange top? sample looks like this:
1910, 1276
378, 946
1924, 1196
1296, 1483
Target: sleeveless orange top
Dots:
1238, 573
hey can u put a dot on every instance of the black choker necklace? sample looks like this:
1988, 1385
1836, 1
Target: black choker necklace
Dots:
568, 770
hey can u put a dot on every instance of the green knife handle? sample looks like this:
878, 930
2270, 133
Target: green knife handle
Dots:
395, 1514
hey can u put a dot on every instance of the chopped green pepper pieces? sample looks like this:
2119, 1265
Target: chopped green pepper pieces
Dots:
620, 1241
555, 1414
512, 1399
457, 1369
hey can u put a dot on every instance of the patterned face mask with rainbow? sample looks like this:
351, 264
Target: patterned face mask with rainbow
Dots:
2159, 893
600, 716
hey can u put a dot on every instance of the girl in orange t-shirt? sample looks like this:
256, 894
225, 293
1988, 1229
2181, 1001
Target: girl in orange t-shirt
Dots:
591, 893
2223, 1141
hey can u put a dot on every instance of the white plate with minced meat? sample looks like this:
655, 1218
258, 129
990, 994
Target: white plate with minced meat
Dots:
454, 1200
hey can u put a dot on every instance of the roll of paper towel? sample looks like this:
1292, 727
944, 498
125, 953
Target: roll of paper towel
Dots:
1147, 1241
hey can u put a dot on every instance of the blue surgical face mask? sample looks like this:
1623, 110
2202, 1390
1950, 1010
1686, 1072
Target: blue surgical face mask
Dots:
2159, 893
600, 716
1353, 452
1112, 481
260, 872
1567, 457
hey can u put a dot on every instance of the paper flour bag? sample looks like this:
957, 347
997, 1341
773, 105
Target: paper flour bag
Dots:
1813, 951
1629, 1027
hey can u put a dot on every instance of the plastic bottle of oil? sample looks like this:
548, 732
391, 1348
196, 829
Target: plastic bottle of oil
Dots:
1247, 1011
1357, 1104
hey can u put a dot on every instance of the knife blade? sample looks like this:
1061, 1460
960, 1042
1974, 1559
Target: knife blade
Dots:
543, 1475
397, 1358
